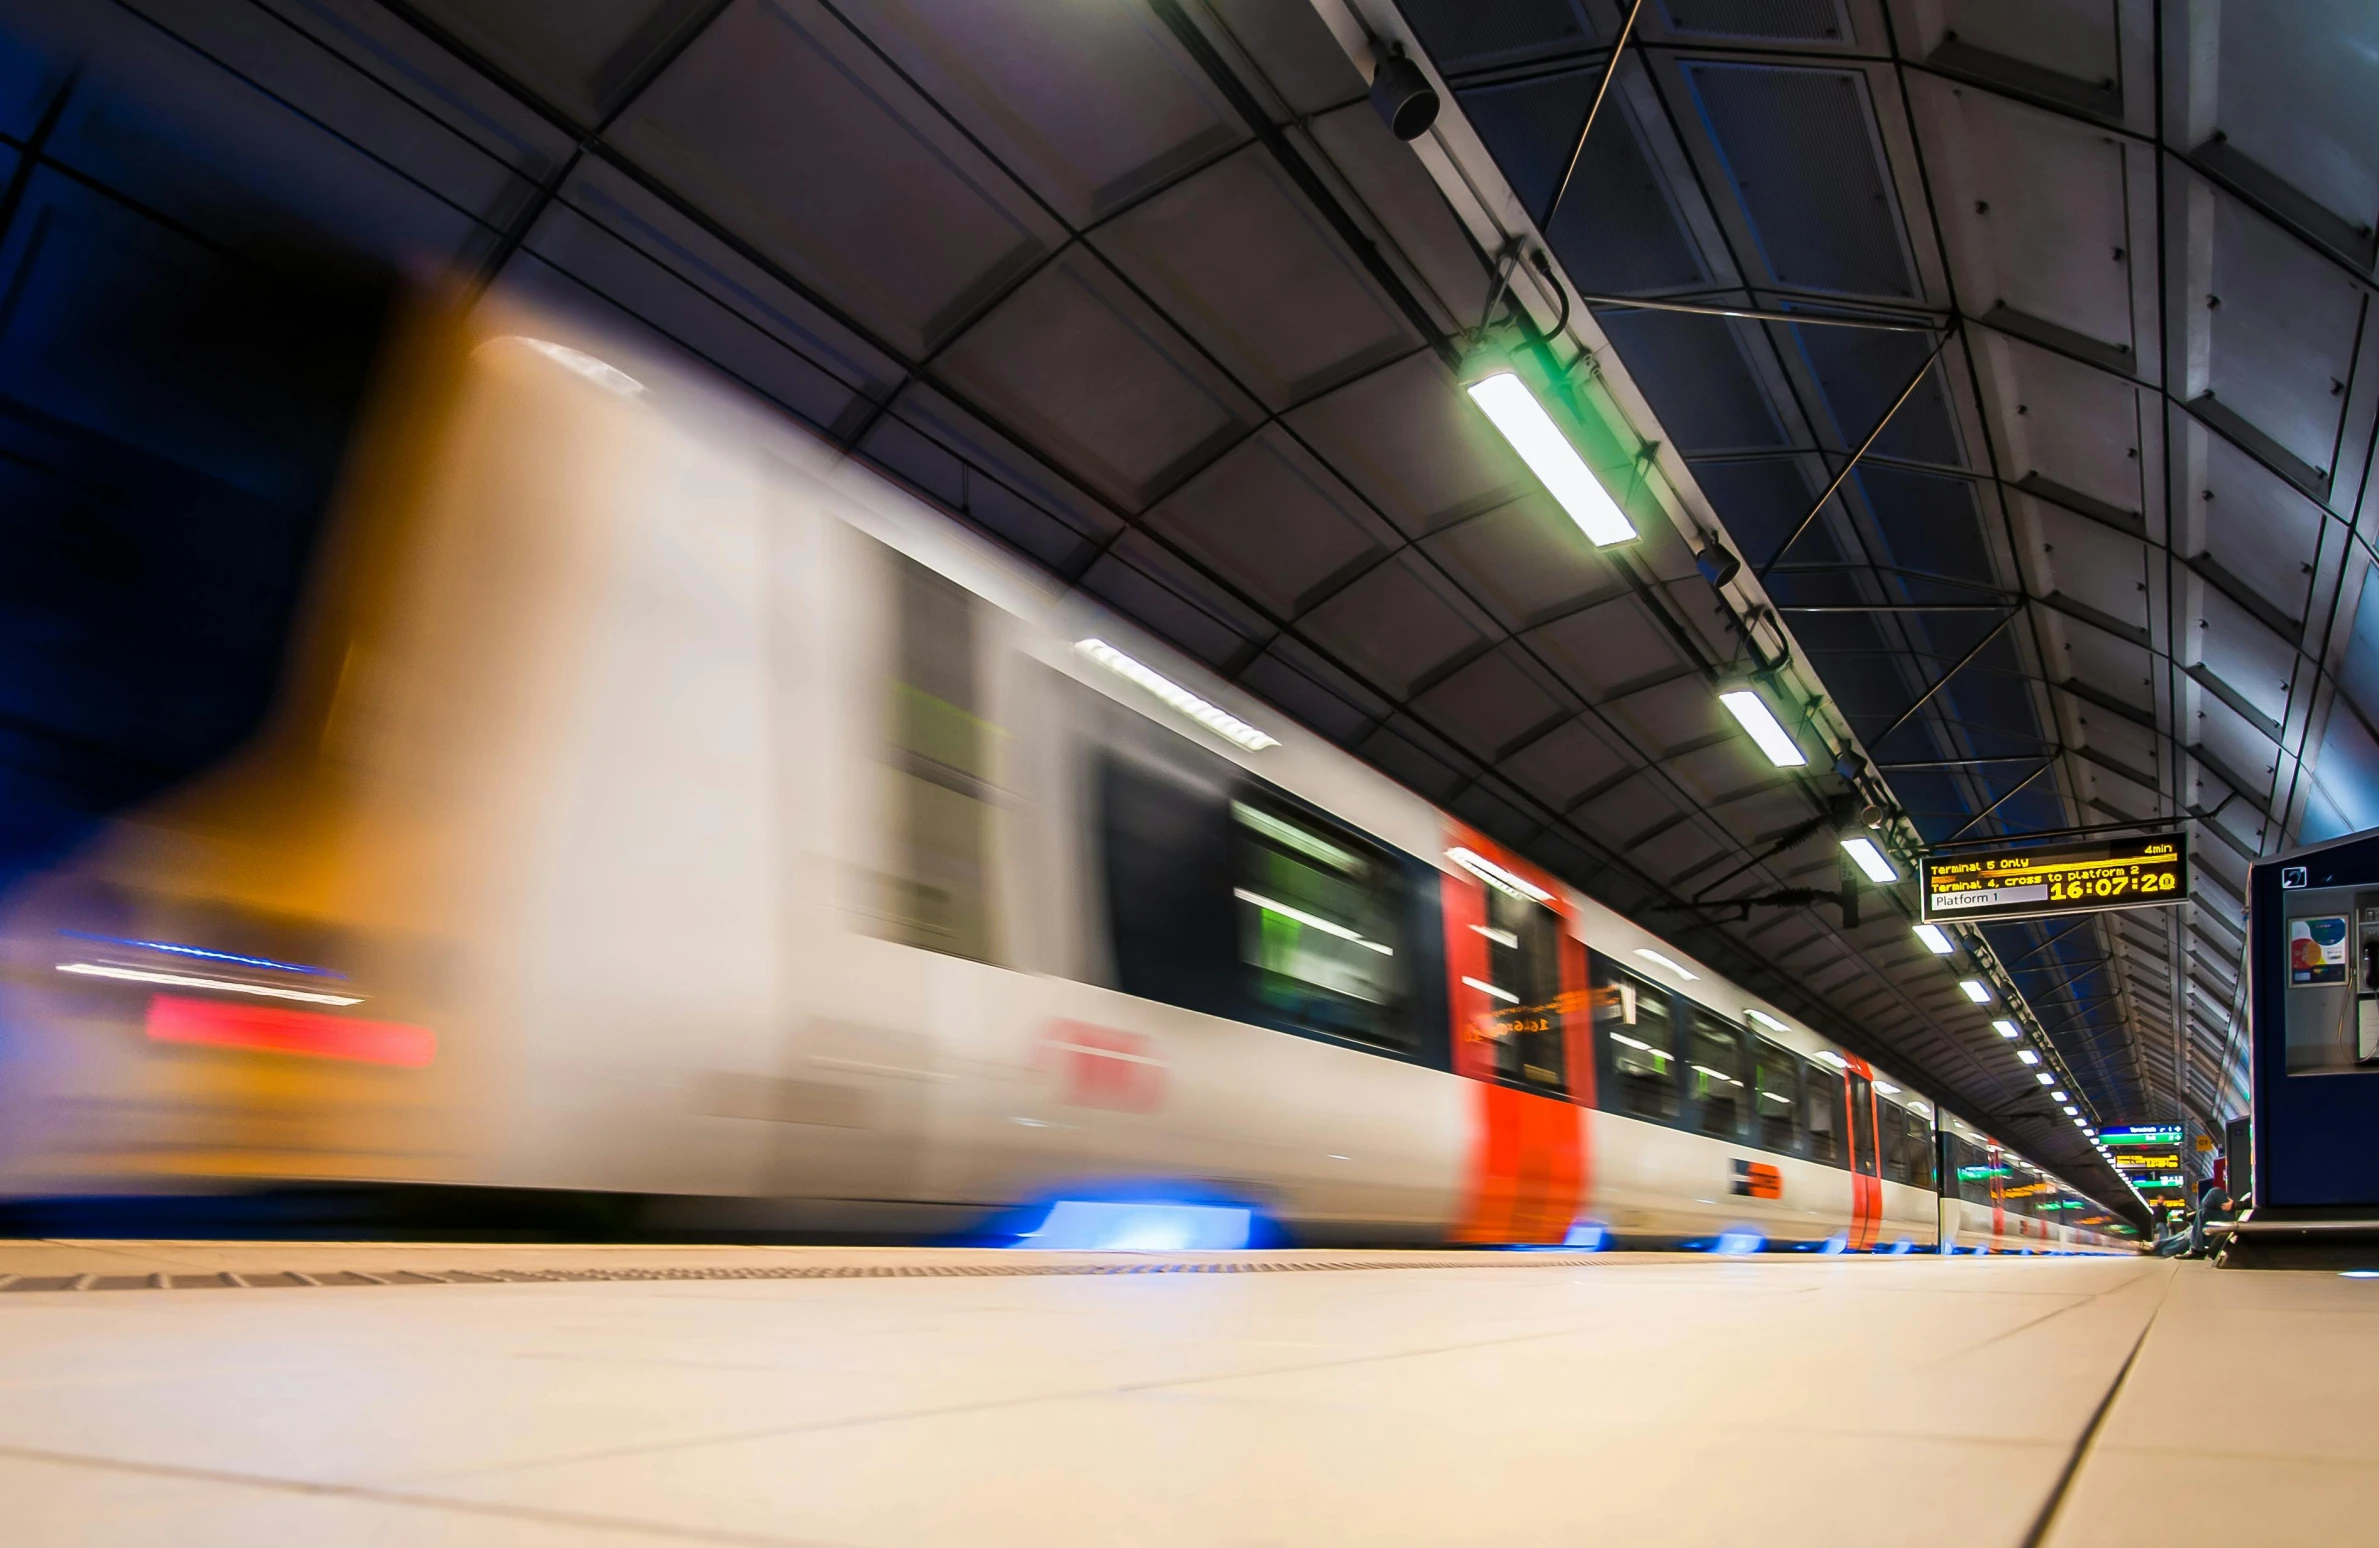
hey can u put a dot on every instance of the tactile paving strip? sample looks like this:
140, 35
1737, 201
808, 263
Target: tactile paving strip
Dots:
290, 1278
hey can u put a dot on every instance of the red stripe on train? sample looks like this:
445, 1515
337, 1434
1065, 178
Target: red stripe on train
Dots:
174, 1018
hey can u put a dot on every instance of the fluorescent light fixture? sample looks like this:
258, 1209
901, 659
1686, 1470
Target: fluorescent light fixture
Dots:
1497, 877
1936, 939
2056, 1096
2028, 1056
2093, 1133
1871, 859
1311, 921
191, 981
2006, 1028
1976, 990
1887, 1088
2045, 1078
1219, 721
2081, 1125
2071, 1111
1485, 987
1503, 938
1752, 712
1766, 1020
1674, 966
1506, 400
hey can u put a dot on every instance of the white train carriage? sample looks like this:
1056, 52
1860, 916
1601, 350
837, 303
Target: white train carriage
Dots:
663, 805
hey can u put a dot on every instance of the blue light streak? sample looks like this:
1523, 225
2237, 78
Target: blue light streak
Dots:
203, 953
1103, 1225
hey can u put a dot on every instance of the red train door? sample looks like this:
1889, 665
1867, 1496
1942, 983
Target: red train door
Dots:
1994, 1157
1866, 1159
1528, 1165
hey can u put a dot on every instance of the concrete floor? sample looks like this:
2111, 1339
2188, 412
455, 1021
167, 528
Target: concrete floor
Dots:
1426, 1398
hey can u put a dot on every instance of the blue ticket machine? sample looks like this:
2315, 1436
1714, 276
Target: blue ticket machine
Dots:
2313, 1012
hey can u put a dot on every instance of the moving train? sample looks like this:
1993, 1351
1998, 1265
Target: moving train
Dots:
660, 803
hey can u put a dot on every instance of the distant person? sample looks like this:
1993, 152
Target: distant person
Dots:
2214, 1208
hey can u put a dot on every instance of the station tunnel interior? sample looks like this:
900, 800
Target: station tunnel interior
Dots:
1156, 300
1142, 664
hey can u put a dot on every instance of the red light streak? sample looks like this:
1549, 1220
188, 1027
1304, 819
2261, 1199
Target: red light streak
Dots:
176, 1018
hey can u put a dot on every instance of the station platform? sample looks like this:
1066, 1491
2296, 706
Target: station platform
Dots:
203, 1394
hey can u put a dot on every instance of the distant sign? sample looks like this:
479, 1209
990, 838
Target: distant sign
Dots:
2145, 1155
2067, 879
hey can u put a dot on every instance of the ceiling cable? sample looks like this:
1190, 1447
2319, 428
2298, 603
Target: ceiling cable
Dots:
1593, 110
1865, 446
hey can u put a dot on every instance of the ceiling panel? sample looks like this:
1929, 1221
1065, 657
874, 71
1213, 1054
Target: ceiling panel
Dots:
1622, 813
1799, 147
1081, 366
1407, 439
2037, 211
1693, 372
1609, 650
2281, 324
1493, 703
2291, 93
1398, 623
1720, 774
1566, 762
893, 215
1255, 276
2260, 533
584, 56
1274, 521
2083, 449
1090, 113
1620, 230
1668, 717
1523, 561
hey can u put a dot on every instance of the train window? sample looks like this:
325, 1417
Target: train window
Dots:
1972, 1170
2020, 1192
1320, 926
1714, 1074
1897, 1164
1776, 1100
1165, 844
1638, 1040
1921, 1160
1524, 961
938, 892
1825, 1114
1862, 1126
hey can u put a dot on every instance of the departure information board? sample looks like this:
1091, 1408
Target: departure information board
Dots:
2150, 1157
2067, 879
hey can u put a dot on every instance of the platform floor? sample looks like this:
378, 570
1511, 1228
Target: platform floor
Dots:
830, 1396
